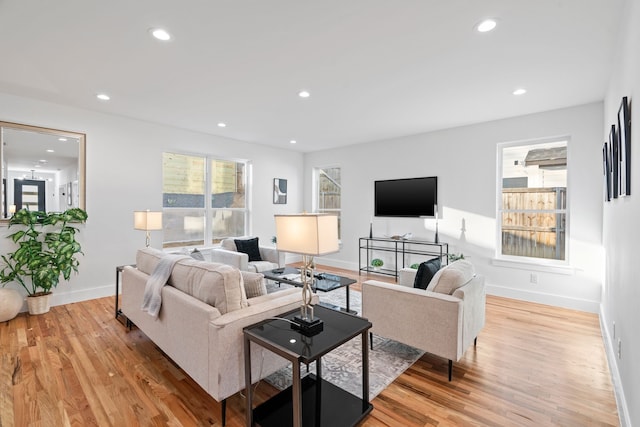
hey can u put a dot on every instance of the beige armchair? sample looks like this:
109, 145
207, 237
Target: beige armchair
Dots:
228, 254
443, 320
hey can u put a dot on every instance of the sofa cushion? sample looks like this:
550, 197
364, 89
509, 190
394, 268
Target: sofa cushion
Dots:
426, 271
147, 259
254, 284
452, 277
219, 285
249, 247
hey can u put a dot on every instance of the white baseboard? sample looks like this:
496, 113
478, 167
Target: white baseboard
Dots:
543, 298
60, 298
621, 401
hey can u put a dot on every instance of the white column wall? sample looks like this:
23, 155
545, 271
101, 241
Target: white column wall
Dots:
621, 234
124, 173
464, 159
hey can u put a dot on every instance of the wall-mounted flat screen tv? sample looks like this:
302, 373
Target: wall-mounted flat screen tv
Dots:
410, 197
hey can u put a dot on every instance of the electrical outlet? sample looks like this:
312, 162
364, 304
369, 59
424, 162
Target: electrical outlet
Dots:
614, 329
619, 348
533, 278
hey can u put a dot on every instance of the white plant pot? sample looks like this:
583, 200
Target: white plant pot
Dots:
10, 304
38, 304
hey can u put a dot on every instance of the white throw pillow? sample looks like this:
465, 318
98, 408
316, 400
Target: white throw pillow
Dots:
452, 277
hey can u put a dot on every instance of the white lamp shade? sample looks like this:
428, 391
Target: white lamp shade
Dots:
147, 220
307, 234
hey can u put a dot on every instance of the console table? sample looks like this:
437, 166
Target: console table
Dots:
310, 401
399, 247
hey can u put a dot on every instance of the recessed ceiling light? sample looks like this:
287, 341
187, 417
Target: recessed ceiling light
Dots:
486, 25
293, 141
103, 97
50, 151
62, 139
222, 125
304, 94
160, 34
519, 91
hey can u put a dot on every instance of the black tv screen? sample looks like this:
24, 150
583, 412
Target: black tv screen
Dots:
411, 197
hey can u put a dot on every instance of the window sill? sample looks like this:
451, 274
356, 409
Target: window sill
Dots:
524, 265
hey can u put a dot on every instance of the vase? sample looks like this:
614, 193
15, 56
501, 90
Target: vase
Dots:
10, 304
38, 304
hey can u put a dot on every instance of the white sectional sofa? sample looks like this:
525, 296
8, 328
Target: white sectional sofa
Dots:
204, 309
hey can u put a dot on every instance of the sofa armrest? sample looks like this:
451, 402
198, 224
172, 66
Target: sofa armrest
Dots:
473, 295
272, 255
406, 276
238, 260
426, 320
226, 342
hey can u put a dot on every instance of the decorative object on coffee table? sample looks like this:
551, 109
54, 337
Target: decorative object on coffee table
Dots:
308, 235
147, 221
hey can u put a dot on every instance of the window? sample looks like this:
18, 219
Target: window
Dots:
188, 217
532, 204
328, 191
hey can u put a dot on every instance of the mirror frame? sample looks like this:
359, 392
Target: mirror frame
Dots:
81, 137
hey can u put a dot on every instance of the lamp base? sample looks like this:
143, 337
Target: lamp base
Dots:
308, 327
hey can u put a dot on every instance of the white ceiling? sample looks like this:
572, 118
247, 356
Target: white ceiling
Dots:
375, 68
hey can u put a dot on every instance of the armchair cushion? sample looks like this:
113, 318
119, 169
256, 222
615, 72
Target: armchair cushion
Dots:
426, 271
452, 277
249, 247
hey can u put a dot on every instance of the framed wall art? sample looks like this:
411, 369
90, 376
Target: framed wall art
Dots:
279, 191
624, 147
613, 147
606, 169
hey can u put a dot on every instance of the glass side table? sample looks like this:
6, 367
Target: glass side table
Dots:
118, 274
310, 401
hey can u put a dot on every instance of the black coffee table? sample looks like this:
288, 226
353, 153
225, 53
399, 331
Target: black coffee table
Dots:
310, 401
324, 282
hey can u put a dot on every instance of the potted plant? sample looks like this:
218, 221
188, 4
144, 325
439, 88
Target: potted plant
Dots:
376, 263
455, 257
47, 250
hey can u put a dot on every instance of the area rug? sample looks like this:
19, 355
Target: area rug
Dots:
343, 366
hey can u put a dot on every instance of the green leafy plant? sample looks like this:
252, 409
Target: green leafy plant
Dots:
47, 249
414, 266
377, 262
455, 257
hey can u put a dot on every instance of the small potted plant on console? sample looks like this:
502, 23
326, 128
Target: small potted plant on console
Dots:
376, 263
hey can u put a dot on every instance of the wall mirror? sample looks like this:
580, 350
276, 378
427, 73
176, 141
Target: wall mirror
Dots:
42, 169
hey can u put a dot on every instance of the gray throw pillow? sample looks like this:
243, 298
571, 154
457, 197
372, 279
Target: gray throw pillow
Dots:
196, 254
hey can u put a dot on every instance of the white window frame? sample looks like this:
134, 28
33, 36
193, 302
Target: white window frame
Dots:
504, 260
208, 209
316, 192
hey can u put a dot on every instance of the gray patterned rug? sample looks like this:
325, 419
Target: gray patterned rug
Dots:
343, 366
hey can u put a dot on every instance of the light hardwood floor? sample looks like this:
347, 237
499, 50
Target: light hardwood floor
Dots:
534, 365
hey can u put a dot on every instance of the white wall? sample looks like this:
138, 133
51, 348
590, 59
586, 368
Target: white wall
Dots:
124, 173
621, 234
464, 159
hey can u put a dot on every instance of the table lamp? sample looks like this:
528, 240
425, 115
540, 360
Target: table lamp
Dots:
147, 221
308, 235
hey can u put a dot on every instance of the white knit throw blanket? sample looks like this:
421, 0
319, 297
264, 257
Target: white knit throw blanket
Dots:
152, 299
